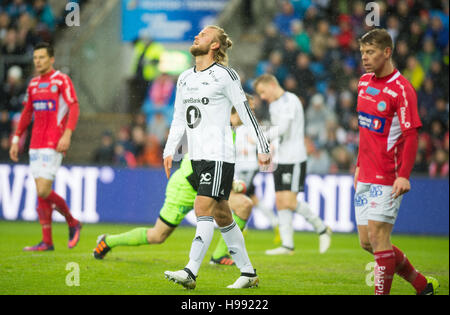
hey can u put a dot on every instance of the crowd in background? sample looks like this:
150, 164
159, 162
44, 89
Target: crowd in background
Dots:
311, 46
23, 24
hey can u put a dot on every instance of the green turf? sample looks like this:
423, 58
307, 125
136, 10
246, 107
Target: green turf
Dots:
139, 270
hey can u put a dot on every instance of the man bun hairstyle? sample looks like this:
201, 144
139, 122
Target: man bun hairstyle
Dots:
220, 54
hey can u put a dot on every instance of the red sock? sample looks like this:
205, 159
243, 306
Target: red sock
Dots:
44, 211
405, 270
384, 271
61, 207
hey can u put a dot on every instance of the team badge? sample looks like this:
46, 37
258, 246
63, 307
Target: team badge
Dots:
54, 88
382, 106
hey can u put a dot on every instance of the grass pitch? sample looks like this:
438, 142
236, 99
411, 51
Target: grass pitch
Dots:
139, 270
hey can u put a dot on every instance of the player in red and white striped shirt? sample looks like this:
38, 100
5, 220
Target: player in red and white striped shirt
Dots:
388, 127
51, 99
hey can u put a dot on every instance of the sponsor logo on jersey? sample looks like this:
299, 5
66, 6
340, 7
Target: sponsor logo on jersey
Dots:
44, 105
363, 83
372, 91
382, 106
192, 101
43, 85
205, 101
388, 91
371, 122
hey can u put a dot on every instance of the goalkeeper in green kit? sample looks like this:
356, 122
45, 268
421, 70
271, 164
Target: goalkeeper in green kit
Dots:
181, 191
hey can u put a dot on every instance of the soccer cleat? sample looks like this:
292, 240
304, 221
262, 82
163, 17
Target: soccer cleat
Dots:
280, 251
432, 287
74, 235
184, 277
102, 249
224, 260
246, 280
325, 240
41, 247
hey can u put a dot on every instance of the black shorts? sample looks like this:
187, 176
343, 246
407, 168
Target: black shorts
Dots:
213, 178
248, 178
290, 177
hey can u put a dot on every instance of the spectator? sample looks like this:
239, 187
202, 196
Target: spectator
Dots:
5, 23
304, 76
427, 97
123, 157
346, 108
342, 161
290, 53
26, 32
428, 54
5, 123
401, 54
414, 72
438, 32
14, 90
104, 155
159, 128
273, 40
152, 155
138, 137
17, 8
301, 37
285, 18
345, 35
161, 98
44, 14
316, 117
318, 160
273, 66
321, 38
439, 166
11, 44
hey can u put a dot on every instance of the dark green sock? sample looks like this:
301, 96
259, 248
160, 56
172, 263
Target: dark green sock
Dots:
134, 237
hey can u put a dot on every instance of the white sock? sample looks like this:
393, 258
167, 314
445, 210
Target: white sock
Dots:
269, 213
317, 223
234, 239
286, 228
203, 236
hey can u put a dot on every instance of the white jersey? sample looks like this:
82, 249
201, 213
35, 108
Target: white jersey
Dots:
288, 128
246, 151
202, 109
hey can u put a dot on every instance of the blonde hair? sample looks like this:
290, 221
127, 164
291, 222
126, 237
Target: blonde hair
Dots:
265, 78
220, 55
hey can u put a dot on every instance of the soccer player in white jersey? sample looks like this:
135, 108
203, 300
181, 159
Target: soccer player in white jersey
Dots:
204, 98
286, 115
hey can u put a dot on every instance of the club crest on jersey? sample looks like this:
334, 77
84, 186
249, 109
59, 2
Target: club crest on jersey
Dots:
373, 123
54, 89
44, 105
382, 106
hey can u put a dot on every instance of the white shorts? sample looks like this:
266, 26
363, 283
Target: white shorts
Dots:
44, 163
374, 202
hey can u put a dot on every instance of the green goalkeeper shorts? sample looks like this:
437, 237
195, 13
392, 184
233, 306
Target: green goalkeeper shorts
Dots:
179, 201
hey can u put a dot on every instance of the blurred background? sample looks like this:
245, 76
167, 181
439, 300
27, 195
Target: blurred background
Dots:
125, 56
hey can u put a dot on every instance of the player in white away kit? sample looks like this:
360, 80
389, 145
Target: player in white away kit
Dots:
247, 168
204, 98
286, 115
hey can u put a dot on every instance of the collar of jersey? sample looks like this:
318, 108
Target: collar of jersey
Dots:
386, 78
204, 69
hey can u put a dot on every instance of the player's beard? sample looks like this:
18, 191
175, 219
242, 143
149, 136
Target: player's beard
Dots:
199, 51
